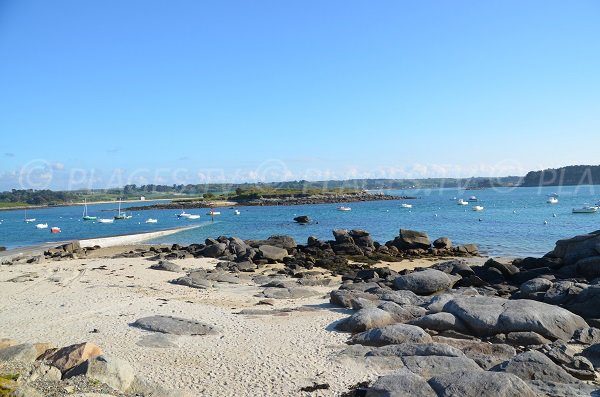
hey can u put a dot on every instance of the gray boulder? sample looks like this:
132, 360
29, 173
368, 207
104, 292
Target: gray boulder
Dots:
272, 253
343, 298
425, 282
440, 322
589, 267
480, 383
289, 293
194, 280
391, 335
587, 336
533, 365
25, 352
487, 316
535, 285
114, 372
175, 326
167, 266
214, 250
442, 243
429, 366
401, 313
485, 354
556, 389
411, 239
365, 319
399, 384
576, 248
417, 349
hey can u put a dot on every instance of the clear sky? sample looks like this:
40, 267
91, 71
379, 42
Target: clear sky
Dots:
99, 93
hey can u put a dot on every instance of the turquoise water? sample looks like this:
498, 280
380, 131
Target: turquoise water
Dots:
512, 223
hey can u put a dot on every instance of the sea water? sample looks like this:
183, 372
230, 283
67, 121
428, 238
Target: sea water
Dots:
514, 221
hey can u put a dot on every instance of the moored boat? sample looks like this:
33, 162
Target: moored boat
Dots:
344, 209
42, 226
105, 220
193, 216
586, 209
404, 205
462, 202
151, 220
55, 229
552, 200
478, 208
86, 216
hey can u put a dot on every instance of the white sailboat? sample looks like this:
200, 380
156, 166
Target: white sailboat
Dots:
42, 226
151, 220
28, 219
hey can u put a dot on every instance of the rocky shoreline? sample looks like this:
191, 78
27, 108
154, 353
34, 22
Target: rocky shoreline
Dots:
297, 199
524, 327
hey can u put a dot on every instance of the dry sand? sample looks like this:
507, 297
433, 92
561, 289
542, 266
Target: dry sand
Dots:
253, 355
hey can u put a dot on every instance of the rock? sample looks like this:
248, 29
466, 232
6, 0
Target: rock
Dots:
576, 248
487, 316
391, 334
592, 353
400, 383
302, 219
280, 241
556, 389
534, 286
425, 282
42, 372
561, 291
533, 365
344, 298
585, 303
589, 267
175, 326
68, 357
442, 243
478, 384
194, 280
525, 339
246, 266
587, 336
114, 372
289, 293
429, 366
365, 319
272, 253
214, 250
402, 297
70, 247
411, 239
439, 322
167, 266
486, 355
507, 269
416, 349
401, 313
342, 236
25, 352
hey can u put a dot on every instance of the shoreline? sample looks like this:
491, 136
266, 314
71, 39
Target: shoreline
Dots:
37, 207
106, 241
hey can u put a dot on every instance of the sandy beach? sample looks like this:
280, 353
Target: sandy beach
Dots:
97, 298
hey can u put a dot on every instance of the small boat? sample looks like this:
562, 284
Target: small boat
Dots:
237, 212
344, 209
193, 216
478, 208
552, 200
404, 205
42, 226
473, 198
121, 215
55, 229
28, 219
105, 220
87, 217
586, 209
462, 202
213, 213
151, 220
183, 214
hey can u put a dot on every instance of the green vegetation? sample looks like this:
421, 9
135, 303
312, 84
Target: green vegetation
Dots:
565, 176
8, 383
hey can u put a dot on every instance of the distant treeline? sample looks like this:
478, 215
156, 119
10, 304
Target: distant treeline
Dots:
565, 176
36, 197
352, 184
211, 190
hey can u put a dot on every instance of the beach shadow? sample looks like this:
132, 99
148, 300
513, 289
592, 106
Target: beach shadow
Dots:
336, 309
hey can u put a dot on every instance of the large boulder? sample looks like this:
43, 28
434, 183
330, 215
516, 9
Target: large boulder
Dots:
25, 352
440, 322
535, 286
114, 372
416, 349
400, 383
195, 279
365, 319
429, 366
425, 282
411, 239
573, 249
589, 267
302, 219
281, 241
442, 243
533, 365
486, 355
70, 356
391, 335
214, 250
342, 236
272, 253
480, 383
487, 316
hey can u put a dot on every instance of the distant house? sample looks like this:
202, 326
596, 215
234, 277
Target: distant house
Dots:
142, 198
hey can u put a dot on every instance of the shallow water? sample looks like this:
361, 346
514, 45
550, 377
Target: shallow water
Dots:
512, 222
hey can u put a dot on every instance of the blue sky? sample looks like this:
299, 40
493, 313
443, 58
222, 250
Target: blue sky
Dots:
99, 93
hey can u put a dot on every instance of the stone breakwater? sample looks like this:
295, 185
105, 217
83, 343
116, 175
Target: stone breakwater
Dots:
299, 199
